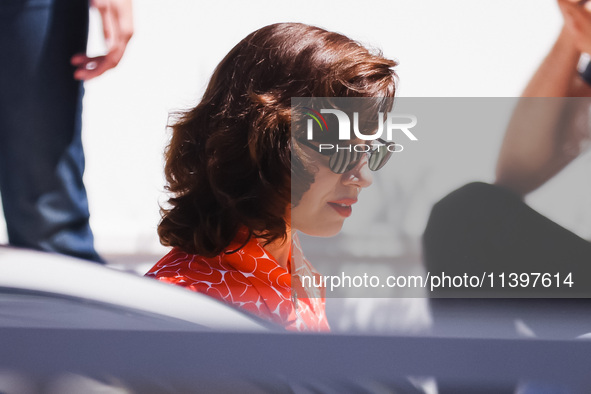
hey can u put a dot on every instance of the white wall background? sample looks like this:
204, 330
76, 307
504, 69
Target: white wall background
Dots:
449, 48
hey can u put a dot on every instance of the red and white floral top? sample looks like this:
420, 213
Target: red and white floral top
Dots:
251, 279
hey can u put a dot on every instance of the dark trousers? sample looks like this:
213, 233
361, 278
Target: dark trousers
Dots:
41, 156
485, 228
482, 228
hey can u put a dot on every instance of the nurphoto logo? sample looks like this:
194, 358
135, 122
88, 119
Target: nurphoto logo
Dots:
390, 123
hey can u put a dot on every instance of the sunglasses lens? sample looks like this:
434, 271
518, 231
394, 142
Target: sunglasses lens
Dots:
379, 159
341, 160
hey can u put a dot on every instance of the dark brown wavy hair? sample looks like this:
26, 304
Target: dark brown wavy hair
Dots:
229, 164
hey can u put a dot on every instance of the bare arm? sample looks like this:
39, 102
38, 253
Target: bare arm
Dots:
547, 129
117, 19
555, 75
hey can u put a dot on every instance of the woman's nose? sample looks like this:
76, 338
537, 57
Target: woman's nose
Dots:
360, 175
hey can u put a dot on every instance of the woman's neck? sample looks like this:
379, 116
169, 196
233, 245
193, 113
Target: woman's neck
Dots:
279, 249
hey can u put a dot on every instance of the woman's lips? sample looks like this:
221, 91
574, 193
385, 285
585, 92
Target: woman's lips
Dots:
343, 206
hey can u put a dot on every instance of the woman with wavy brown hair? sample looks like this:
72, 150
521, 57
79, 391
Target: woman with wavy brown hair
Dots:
238, 194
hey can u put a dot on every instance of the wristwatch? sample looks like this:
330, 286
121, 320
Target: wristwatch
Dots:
584, 68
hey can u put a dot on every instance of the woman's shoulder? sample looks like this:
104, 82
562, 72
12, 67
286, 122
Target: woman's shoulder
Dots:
229, 277
178, 266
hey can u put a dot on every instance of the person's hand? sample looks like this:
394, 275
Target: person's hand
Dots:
117, 21
577, 22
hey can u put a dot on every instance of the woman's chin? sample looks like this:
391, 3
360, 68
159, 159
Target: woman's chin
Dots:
323, 231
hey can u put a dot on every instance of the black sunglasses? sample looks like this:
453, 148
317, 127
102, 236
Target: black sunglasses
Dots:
345, 158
